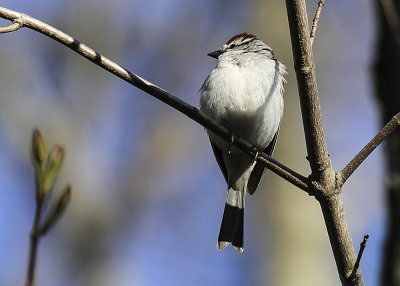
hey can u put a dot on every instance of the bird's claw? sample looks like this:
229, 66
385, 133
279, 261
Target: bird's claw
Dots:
257, 152
230, 144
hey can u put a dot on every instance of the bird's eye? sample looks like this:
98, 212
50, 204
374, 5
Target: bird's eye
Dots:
233, 46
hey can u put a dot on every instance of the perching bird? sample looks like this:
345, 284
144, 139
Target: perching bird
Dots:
244, 93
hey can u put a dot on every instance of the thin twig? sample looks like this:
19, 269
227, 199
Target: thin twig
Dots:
321, 4
13, 27
363, 244
47, 165
155, 91
393, 19
367, 150
34, 240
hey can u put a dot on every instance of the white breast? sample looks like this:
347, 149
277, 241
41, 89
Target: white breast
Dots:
246, 98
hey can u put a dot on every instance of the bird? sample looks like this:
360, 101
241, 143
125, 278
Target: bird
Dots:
243, 93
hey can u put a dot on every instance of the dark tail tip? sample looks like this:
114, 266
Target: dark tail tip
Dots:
231, 228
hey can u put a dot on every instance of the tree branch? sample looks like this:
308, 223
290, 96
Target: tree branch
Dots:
155, 91
323, 178
33, 246
367, 150
13, 27
363, 245
340, 239
305, 71
321, 4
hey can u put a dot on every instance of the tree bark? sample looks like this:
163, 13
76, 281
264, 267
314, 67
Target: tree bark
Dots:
326, 189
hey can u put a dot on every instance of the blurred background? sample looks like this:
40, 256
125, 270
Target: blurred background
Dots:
148, 196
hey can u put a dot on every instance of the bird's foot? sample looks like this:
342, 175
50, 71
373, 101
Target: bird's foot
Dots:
257, 151
230, 143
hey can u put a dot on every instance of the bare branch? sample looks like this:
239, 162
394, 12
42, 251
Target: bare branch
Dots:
285, 173
340, 239
33, 246
155, 91
305, 71
323, 178
321, 4
367, 150
13, 27
363, 245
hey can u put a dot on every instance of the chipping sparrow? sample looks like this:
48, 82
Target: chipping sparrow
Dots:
244, 93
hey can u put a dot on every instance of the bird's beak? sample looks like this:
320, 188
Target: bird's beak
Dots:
215, 54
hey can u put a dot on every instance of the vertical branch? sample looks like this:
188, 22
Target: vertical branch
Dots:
33, 247
308, 91
47, 165
322, 175
340, 239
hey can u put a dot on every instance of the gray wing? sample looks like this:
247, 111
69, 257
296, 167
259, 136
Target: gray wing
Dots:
220, 160
259, 169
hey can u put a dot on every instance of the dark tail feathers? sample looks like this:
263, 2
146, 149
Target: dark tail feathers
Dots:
232, 221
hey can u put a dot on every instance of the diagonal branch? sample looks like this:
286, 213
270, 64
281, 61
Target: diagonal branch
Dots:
155, 91
363, 245
367, 150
